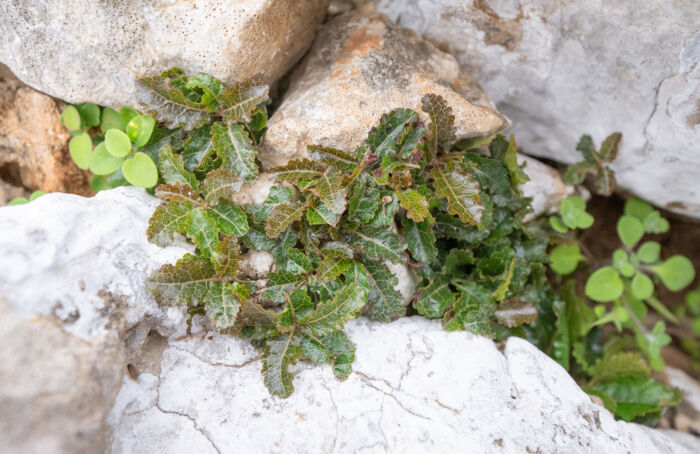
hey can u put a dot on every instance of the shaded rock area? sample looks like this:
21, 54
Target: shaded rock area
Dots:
562, 69
86, 51
360, 67
34, 144
81, 328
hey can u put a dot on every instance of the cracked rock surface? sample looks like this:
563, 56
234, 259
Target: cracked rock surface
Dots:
90, 363
563, 69
81, 50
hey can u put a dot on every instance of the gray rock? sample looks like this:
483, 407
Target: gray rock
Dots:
359, 68
562, 69
93, 51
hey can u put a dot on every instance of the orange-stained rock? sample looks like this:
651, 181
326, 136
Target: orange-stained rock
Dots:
360, 67
34, 143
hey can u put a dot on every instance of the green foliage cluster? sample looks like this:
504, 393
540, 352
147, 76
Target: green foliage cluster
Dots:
22, 200
336, 223
595, 163
626, 283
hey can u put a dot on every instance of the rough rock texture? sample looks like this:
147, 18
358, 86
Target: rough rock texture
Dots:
9, 191
93, 51
561, 69
359, 68
73, 310
545, 187
33, 143
77, 321
415, 388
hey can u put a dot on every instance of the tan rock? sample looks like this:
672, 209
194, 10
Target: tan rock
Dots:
360, 67
34, 143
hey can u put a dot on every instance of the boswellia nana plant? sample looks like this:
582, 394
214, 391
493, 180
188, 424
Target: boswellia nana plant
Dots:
339, 222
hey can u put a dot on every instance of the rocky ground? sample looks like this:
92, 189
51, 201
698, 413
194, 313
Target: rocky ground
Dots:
90, 363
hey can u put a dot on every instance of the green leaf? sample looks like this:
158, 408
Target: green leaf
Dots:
415, 204
167, 220
209, 86
219, 184
126, 115
186, 282
234, 147
563, 334
630, 230
140, 129
649, 252
565, 258
298, 305
576, 173
117, 143
282, 216
89, 114
608, 149
278, 354
18, 201
178, 193
301, 263
202, 230
638, 208
330, 268
573, 213
604, 285
277, 195
169, 103
557, 224
675, 273
221, 304
637, 396
472, 311
226, 258
102, 162
230, 219
140, 170
302, 173
654, 223
331, 191
619, 364
440, 133
365, 199
197, 147
333, 315
507, 152
642, 286
337, 249
279, 284
71, 118
80, 148
334, 347
461, 192
238, 102
384, 139
333, 157
320, 214
35, 195
384, 302
172, 168
420, 240
111, 119
433, 300
378, 243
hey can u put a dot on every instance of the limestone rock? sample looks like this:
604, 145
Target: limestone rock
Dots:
563, 69
359, 68
545, 187
34, 143
93, 51
408, 393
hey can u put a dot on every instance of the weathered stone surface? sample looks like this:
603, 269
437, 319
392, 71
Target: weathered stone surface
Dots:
359, 68
415, 388
545, 187
9, 191
76, 310
92, 51
33, 143
562, 69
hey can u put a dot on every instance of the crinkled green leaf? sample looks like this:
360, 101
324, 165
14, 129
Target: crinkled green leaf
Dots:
608, 149
278, 354
172, 168
279, 284
378, 243
334, 157
221, 304
282, 217
219, 184
415, 204
472, 311
335, 348
507, 152
384, 302
620, 364
186, 282
167, 220
320, 214
365, 199
234, 147
433, 300
638, 396
331, 191
299, 172
420, 240
168, 102
330, 268
333, 315
383, 139
440, 133
301, 262
337, 249
238, 102
202, 230
461, 192
178, 193
226, 258
197, 147
230, 219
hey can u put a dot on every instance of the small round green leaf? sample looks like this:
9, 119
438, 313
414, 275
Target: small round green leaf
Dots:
620, 259
103, 163
654, 223
627, 270
675, 273
139, 129
89, 114
99, 183
18, 201
80, 149
573, 213
117, 143
71, 118
111, 119
637, 208
630, 230
127, 114
35, 195
604, 285
557, 224
140, 171
649, 251
642, 286
565, 258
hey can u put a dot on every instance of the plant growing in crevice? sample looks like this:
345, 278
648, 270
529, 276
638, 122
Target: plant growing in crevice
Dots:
625, 285
595, 163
